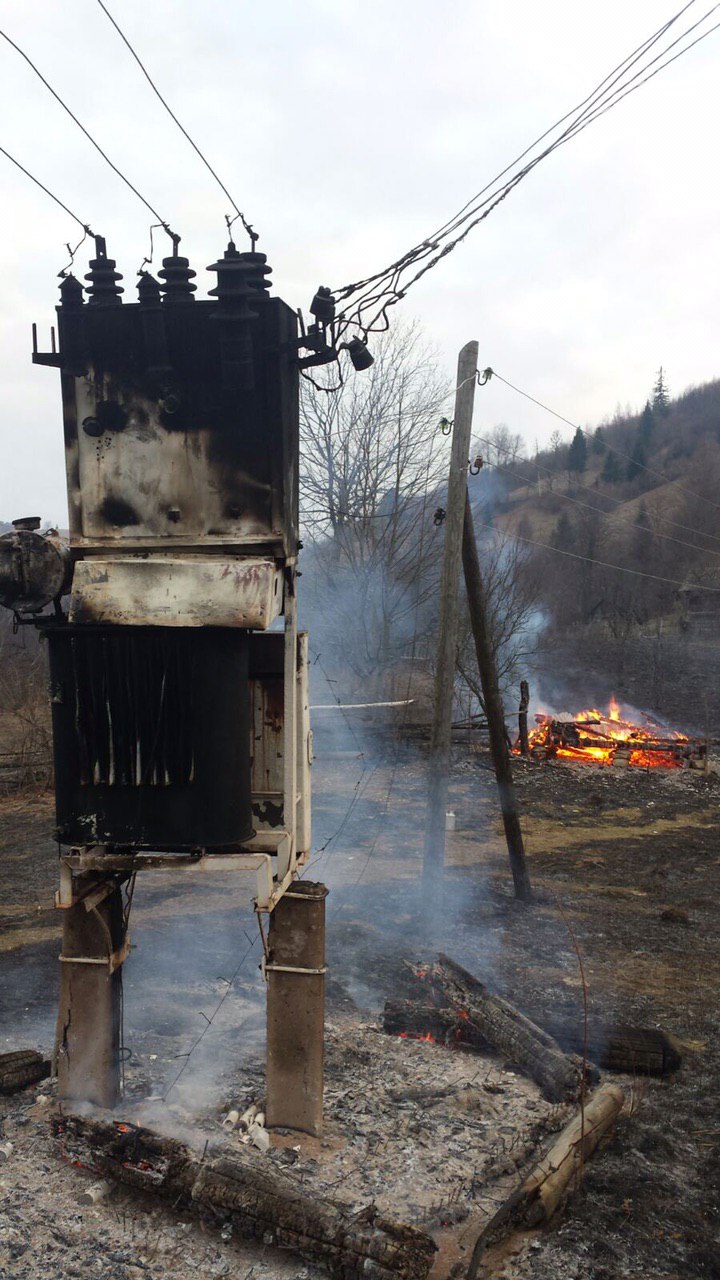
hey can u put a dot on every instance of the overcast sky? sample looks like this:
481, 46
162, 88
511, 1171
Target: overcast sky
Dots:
347, 131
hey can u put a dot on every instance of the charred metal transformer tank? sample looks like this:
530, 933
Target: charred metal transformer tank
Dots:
181, 422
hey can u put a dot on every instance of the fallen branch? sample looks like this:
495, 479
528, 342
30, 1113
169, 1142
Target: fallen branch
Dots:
22, 1068
263, 1202
556, 1176
484, 1019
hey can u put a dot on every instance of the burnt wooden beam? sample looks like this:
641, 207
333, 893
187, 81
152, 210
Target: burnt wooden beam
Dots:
262, 1202
496, 1021
555, 1177
646, 1051
21, 1068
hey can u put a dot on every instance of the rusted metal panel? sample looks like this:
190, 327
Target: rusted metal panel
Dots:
269, 737
171, 592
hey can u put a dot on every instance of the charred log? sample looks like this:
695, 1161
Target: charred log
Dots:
645, 1051
496, 1022
556, 1176
263, 1202
22, 1068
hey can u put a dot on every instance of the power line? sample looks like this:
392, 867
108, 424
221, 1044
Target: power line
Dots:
641, 467
386, 287
604, 564
589, 507
252, 234
47, 191
583, 112
89, 137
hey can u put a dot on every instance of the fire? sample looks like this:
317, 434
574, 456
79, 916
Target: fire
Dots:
418, 1035
599, 737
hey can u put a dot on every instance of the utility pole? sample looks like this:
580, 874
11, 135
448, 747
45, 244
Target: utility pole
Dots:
494, 708
439, 761
523, 717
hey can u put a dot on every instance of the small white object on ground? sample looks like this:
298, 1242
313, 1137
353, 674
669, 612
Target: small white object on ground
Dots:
6, 1150
95, 1192
259, 1137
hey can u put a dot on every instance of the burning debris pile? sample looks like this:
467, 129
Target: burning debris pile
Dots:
606, 738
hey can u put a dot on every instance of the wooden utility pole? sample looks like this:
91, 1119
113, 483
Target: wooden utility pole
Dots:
494, 708
522, 717
439, 762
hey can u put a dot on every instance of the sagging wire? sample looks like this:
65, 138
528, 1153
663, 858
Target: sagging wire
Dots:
252, 234
87, 230
387, 287
229, 983
88, 135
319, 386
147, 261
628, 457
63, 273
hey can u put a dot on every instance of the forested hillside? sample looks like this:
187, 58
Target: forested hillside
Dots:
621, 525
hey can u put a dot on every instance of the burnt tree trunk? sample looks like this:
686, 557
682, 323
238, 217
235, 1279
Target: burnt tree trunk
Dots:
509, 1032
22, 1068
556, 1176
645, 1051
641, 1051
263, 1202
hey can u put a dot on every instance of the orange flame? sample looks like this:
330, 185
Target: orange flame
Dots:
592, 736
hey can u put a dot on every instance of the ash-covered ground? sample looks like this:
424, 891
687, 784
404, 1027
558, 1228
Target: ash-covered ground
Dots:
633, 860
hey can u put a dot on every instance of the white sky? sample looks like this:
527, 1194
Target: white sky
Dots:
346, 132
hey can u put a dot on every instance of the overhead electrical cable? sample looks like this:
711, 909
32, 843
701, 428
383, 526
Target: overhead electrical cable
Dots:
611, 448
368, 300
590, 105
89, 137
253, 235
47, 191
633, 524
603, 564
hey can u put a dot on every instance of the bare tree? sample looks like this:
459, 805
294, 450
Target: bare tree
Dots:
511, 576
372, 456
504, 447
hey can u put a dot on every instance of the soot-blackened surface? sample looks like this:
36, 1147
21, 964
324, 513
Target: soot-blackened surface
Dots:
617, 850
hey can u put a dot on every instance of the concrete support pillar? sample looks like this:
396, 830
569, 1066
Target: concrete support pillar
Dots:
296, 1009
87, 1044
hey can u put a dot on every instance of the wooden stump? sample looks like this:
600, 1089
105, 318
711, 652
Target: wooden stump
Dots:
264, 1202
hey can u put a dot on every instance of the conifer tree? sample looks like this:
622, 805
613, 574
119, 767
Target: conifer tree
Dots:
637, 459
611, 472
647, 422
577, 456
661, 395
598, 444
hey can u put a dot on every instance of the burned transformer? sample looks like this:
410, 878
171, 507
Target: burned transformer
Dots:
180, 718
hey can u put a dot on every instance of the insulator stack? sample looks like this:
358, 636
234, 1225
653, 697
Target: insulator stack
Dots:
240, 288
177, 275
103, 289
157, 360
71, 293
257, 273
240, 280
148, 289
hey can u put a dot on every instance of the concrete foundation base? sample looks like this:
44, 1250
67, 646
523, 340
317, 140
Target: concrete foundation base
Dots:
87, 1044
296, 1009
